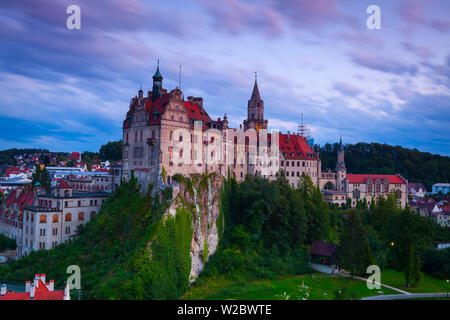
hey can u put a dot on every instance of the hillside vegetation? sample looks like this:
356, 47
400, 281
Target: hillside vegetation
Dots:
113, 251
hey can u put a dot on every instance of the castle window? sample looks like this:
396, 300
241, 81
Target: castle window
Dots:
181, 119
43, 218
81, 216
68, 217
172, 117
180, 138
170, 135
55, 218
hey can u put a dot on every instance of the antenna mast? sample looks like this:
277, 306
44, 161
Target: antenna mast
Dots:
303, 130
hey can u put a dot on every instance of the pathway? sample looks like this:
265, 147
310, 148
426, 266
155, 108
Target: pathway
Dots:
381, 284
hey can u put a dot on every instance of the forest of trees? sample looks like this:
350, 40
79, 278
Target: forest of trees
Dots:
378, 158
269, 227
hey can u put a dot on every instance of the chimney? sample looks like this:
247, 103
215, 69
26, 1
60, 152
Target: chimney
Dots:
3, 290
67, 292
27, 286
51, 285
36, 280
32, 291
43, 278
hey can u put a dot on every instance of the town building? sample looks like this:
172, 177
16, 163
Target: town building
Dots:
441, 188
54, 217
416, 190
164, 135
11, 214
38, 289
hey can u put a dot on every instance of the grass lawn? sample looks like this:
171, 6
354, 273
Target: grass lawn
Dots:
321, 289
427, 284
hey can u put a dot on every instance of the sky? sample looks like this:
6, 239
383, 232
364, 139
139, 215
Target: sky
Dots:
69, 90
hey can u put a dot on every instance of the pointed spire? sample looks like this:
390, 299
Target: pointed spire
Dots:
341, 146
157, 73
255, 93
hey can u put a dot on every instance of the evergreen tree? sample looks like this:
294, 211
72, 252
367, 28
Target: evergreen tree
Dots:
354, 253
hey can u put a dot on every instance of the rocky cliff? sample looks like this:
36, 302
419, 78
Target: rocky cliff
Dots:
201, 195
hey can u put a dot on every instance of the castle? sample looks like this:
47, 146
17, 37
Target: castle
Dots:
164, 135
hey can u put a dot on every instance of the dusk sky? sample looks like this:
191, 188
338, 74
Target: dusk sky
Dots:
69, 90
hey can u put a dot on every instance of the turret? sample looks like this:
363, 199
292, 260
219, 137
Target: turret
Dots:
157, 84
255, 110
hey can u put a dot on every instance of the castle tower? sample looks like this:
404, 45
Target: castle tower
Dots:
340, 167
157, 84
255, 111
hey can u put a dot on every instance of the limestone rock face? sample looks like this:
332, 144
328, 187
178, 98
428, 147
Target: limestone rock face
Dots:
200, 193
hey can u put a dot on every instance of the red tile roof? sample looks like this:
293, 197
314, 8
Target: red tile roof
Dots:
64, 184
41, 293
362, 178
295, 147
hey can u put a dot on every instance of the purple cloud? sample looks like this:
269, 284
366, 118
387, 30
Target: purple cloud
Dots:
235, 16
421, 51
346, 88
374, 62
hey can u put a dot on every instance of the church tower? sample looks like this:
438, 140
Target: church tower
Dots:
340, 167
157, 84
255, 111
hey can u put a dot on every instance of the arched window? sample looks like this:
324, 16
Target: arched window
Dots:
42, 218
81, 216
92, 214
55, 218
68, 217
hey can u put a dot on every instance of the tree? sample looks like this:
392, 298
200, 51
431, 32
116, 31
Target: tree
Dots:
111, 151
354, 253
408, 234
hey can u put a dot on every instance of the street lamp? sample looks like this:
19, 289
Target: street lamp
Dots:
392, 243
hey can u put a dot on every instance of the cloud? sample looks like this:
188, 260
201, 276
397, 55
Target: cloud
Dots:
416, 12
383, 64
236, 16
420, 51
346, 88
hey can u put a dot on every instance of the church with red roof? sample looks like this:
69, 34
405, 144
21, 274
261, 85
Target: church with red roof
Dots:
165, 133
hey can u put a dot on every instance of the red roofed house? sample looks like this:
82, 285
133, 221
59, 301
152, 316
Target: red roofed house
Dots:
38, 290
11, 214
75, 156
323, 257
